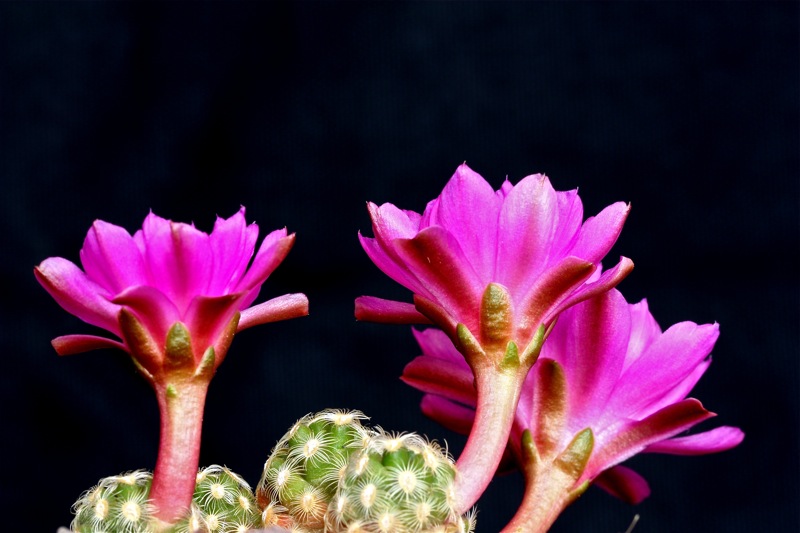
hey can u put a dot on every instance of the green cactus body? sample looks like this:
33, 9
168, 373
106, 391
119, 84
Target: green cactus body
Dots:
223, 503
116, 504
303, 472
397, 484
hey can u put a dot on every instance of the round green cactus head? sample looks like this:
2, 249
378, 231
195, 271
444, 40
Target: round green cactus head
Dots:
303, 472
398, 484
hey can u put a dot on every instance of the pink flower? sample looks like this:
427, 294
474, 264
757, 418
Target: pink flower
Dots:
607, 368
168, 273
528, 239
493, 269
175, 297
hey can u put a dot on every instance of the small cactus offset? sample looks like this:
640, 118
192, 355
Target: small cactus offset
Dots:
118, 504
223, 503
302, 474
397, 484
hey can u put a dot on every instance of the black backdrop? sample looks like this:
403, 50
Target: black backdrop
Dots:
304, 111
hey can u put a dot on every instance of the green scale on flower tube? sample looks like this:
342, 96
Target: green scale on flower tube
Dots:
304, 469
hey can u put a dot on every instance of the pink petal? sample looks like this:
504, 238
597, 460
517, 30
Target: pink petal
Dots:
644, 331
618, 444
441, 267
153, 309
599, 233
713, 441
232, 244
468, 208
567, 227
525, 233
372, 309
677, 393
111, 258
77, 294
206, 319
440, 377
551, 288
72, 344
607, 280
624, 483
390, 223
280, 308
449, 414
435, 343
589, 341
662, 367
391, 265
272, 251
178, 258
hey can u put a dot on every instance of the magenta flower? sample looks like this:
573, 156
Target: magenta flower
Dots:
527, 238
493, 269
609, 384
174, 297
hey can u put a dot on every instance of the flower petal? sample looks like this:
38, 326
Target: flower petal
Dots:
438, 262
280, 308
467, 207
232, 244
388, 262
444, 378
599, 233
77, 294
153, 309
178, 257
547, 292
624, 483
272, 251
607, 280
713, 441
617, 444
589, 341
111, 257
72, 344
662, 367
451, 415
372, 309
524, 233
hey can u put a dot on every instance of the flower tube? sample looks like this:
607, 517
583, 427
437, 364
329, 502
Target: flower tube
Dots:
492, 269
609, 384
173, 297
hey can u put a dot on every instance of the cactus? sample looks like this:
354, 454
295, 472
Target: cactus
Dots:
116, 504
398, 484
302, 474
332, 474
223, 503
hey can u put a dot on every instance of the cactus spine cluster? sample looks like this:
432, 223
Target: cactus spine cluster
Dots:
223, 503
302, 474
331, 474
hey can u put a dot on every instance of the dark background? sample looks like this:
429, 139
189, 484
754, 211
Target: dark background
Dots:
304, 111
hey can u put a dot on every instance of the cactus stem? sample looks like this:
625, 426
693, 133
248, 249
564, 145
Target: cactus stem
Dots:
181, 407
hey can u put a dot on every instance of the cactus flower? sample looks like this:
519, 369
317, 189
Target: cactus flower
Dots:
174, 297
609, 384
492, 269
